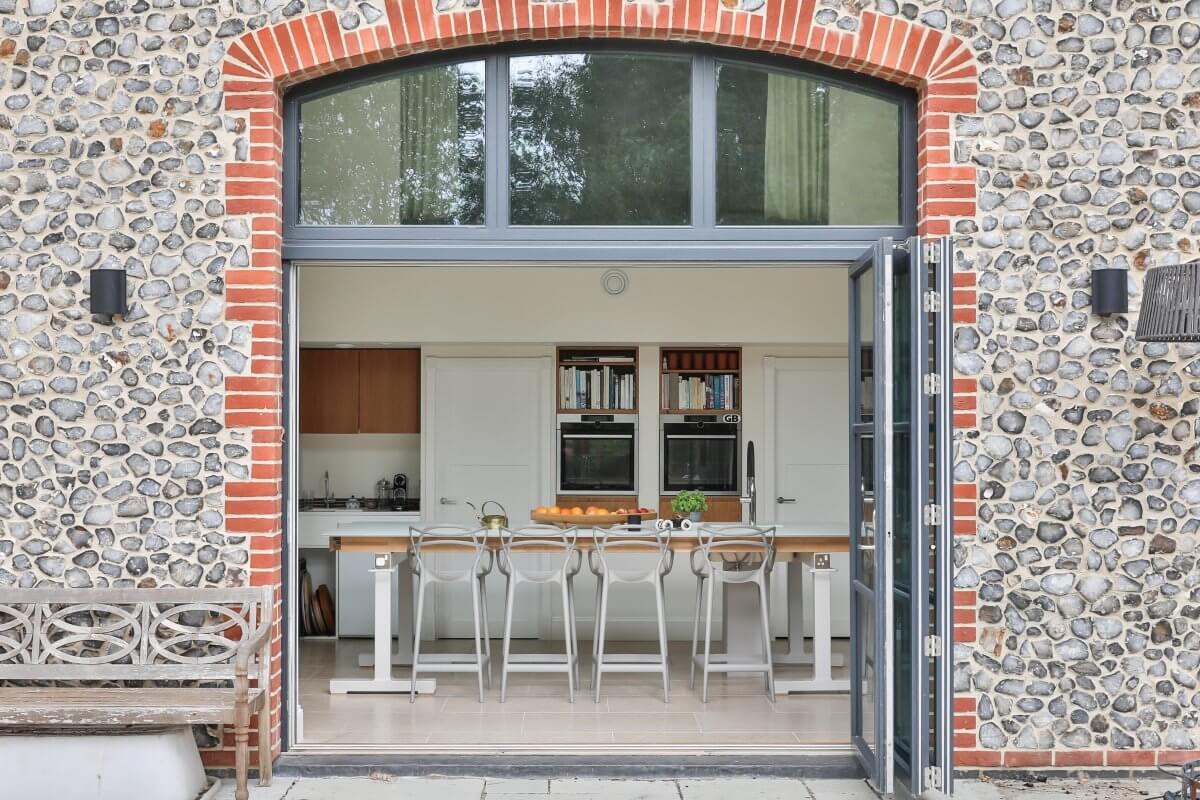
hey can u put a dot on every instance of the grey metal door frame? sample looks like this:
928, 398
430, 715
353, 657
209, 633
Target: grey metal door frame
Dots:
910, 588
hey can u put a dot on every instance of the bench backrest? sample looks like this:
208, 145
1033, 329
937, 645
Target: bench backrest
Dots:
129, 634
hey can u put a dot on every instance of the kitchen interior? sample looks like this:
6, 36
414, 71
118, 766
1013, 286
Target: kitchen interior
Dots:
432, 395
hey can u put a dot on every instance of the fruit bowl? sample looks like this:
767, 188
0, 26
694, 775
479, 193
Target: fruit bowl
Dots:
591, 516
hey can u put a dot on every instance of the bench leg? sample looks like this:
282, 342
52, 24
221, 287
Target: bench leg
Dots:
241, 744
264, 743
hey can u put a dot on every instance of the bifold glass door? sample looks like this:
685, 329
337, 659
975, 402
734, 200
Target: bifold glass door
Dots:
898, 477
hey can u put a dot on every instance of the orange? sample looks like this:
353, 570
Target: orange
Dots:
576, 510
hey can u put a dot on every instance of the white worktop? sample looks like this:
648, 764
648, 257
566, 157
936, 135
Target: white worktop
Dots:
315, 527
390, 527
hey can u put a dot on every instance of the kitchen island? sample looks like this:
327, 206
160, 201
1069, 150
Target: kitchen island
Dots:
806, 547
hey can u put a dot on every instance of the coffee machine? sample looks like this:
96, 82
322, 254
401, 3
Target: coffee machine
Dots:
399, 491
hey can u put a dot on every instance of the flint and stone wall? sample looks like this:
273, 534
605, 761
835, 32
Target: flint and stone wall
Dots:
1056, 138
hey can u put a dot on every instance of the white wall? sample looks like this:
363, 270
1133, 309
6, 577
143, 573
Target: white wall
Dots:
356, 461
563, 305
526, 311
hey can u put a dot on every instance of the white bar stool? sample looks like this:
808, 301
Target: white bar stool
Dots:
461, 540
630, 539
733, 554
525, 545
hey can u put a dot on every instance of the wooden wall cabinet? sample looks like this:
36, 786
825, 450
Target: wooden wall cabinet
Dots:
721, 508
360, 390
389, 391
328, 391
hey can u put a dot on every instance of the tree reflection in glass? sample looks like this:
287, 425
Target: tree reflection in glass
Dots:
405, 150
600, 139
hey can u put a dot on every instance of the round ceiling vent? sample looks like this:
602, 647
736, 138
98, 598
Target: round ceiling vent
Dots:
614, 281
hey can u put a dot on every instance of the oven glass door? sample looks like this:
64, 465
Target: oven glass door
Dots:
596, 462
700, 461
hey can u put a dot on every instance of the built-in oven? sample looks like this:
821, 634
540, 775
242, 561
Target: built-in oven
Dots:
596, 454
701, 451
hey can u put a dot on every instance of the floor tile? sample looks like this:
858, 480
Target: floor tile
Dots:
386, 789
841, 790
278, 788
522, 786
615, 790
744, 789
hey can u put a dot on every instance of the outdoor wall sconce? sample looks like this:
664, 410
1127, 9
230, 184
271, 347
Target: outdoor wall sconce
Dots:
1170, 304
108, 292
1110, 294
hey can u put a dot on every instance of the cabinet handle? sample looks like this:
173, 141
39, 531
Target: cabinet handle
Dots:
448, 501
782, 500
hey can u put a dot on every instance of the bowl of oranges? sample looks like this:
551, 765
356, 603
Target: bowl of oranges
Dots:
590, 516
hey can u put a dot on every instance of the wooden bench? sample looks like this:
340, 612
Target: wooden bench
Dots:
139, 657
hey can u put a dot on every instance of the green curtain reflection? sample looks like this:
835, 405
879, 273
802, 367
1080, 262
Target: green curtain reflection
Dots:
401, 151
796, 173
428, 143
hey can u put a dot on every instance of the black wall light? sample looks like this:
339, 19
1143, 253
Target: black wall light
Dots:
1110, 293
108, 292
1171, 304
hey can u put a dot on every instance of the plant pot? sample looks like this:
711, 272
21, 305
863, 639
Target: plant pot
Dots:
694, 516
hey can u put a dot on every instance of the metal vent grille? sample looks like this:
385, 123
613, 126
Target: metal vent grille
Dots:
1171, 304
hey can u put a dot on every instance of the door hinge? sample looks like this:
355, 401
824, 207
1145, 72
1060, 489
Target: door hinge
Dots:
933, 302
934, 514
933, 646
933, 251
932, 383
933, 778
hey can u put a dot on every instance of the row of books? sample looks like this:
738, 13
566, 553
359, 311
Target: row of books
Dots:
701, 392
596, 388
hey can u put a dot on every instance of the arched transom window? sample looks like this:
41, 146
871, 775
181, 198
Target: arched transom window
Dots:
597, 143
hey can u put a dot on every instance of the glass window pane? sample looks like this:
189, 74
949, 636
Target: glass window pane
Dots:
600, 139
796, 151
406, 150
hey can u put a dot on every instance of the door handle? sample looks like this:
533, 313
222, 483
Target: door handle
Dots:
782, 500
448, 501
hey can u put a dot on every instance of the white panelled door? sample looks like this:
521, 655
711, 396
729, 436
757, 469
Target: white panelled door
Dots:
811, 462
488, 435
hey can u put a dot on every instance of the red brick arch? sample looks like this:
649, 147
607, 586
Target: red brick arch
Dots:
260, 64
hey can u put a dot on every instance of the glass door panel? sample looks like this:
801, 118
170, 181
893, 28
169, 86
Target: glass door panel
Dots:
871, 516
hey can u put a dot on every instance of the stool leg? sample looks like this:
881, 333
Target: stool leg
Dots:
766, 628
661, 603
416, 651
574, 630
695, 630
566, 606
487, 636
479, 662
600, 632
596, 626
708, 635
509, 592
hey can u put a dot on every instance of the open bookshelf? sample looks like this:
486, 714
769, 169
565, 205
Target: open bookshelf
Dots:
598, 380
700, 380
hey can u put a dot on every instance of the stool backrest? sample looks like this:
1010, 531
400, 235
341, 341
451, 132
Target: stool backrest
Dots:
448, 539
739, 548
622, 539
537, 540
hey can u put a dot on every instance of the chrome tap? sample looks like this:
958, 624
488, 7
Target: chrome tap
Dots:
328, 494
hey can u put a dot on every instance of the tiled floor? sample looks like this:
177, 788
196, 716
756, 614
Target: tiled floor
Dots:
630, 712
380, 787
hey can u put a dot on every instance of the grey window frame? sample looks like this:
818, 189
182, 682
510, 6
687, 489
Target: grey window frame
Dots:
498, 241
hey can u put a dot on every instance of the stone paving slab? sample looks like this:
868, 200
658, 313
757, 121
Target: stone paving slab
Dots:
381, 787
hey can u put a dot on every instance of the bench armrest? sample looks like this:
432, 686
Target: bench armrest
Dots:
249, 647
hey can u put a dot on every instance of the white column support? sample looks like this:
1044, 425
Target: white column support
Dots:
382, 681
402, 656
795, 652
822, 680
